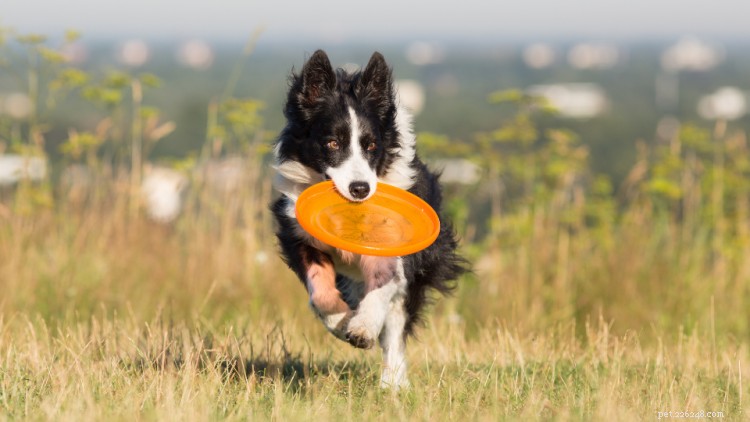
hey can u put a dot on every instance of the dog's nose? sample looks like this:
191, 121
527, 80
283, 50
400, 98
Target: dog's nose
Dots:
359, 190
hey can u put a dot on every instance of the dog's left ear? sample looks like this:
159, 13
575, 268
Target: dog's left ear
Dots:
375, 85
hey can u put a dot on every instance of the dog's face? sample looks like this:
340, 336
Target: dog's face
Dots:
342, 125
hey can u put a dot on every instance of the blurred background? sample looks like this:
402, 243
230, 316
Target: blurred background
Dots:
594, 155
616, 72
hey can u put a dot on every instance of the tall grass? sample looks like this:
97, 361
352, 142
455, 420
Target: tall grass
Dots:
587, 301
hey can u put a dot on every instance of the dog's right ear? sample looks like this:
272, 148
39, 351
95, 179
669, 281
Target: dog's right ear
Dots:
317, 78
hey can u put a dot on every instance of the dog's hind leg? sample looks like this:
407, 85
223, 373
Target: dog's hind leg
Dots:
393, 342
384, 280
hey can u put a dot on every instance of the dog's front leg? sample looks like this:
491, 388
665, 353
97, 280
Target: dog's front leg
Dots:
325, 298
384, 280
393, 342
315, 269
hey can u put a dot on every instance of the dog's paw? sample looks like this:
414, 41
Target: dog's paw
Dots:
360, 340
394, 380
335, 323
359, 334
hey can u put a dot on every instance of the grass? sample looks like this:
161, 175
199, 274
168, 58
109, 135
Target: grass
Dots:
285, 368
109, 317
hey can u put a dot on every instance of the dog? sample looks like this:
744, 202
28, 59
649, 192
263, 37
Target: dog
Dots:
349, 128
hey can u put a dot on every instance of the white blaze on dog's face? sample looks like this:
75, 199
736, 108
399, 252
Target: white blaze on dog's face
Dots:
352, 174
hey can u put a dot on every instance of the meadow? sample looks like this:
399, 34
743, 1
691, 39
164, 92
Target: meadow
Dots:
587, 301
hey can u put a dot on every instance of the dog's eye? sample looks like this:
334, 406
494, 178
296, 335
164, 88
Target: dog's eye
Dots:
333, 145
371, 146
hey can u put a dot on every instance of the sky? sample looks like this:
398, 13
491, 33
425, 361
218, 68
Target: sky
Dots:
340, 21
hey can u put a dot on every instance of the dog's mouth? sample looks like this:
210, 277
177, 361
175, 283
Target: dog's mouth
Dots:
352, 187
356, 191
353, 197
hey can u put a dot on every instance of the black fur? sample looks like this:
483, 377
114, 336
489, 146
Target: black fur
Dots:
317, 112
437, 267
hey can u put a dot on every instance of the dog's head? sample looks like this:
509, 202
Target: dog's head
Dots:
341, 125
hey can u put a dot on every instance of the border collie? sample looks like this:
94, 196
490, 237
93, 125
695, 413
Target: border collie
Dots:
348, 127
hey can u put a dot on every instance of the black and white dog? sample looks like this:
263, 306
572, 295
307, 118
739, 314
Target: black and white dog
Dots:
349, 128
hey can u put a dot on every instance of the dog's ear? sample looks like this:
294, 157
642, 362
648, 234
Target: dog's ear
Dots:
375, 85
317, 78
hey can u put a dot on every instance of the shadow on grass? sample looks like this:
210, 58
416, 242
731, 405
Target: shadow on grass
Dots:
273, 363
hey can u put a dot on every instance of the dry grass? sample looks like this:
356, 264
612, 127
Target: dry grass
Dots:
106, 316
282, 367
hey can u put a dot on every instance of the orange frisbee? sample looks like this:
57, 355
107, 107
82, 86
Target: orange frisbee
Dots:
393, 222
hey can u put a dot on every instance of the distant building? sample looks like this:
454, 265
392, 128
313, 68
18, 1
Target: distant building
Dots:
133, 53
196, 54
593, 55
691, 54
726, 103
575, 100
539, 56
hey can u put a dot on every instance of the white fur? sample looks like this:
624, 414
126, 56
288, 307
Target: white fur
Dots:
372, 312
394, 347
401, 174
376, 305
293, 177
355, 168
332, 321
